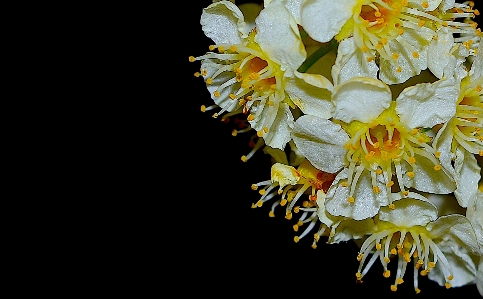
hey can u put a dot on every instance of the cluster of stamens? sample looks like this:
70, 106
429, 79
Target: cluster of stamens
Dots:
407, 244
305, 181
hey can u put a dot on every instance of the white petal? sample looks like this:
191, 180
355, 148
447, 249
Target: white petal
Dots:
425, 104
323, 19
427, 179
321, 142
474, 213
439, 52
309, 92
351, 62
479, 277
409, 212
279, 37
279, 128
467, 176
292, 5
432, 4
224, 99
455, 228
360, 98
224, 23
443, 144
366, 204
477, 67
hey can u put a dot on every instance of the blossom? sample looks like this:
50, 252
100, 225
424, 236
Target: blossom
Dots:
291, 185
254, 72
412, 231
373, 139
395, 32
460, 139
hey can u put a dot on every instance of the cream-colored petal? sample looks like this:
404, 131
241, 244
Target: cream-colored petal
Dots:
279, 120
456, 229
360, 98
479, 277
352, 62
467, 176
426, 178
439, 52
430, 5
474, 213
367, 203
428, 104
279, 37
284, 175
409, 212
443, 144
321, 142
477, 66
310, 93
292, 5
224, 23
224, 101
323, 19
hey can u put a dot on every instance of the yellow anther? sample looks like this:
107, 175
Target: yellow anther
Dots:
203, 108
296, 209
415, 54
271, 214
405, 192
221, 49
379, 171
259, 203
386, 273
424, 272
410, 174
431, 264
209, 81
233, 48
250, 117
192, 58
364, 48
445, 24
425, 4
393, 251
197, 74
314, 246
377, 14
369, 59
417, 290
212, 47
393, 288
412, 160
437, 167
376, 189
476, 12
386, 259
244, 158
265, 129
399, 280
421, 23
288, 216
296, 227
254, 187
480, 153
400, 31
296, 239
232, 96
283, 202
437, 154
351, 199
390, 183
273, 87
398, 70
270, 103
379, 46
478, 88
447, 285
451, 277
215, 115
261, 191
359, 257
358, 275
395, 56
343, 184
234, 132
260, 133
407, 258
400, 246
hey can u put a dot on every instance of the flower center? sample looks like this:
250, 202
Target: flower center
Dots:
381, 147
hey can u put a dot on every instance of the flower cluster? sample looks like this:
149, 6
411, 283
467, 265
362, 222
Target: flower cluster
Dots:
372, 112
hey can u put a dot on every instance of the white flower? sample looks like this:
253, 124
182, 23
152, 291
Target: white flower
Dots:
255, 71
461, 138
445, 248
374, 144
396, 32
291, 185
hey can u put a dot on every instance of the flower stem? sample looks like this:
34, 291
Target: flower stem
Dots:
319, 53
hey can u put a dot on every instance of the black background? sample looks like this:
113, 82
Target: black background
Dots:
231, 249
